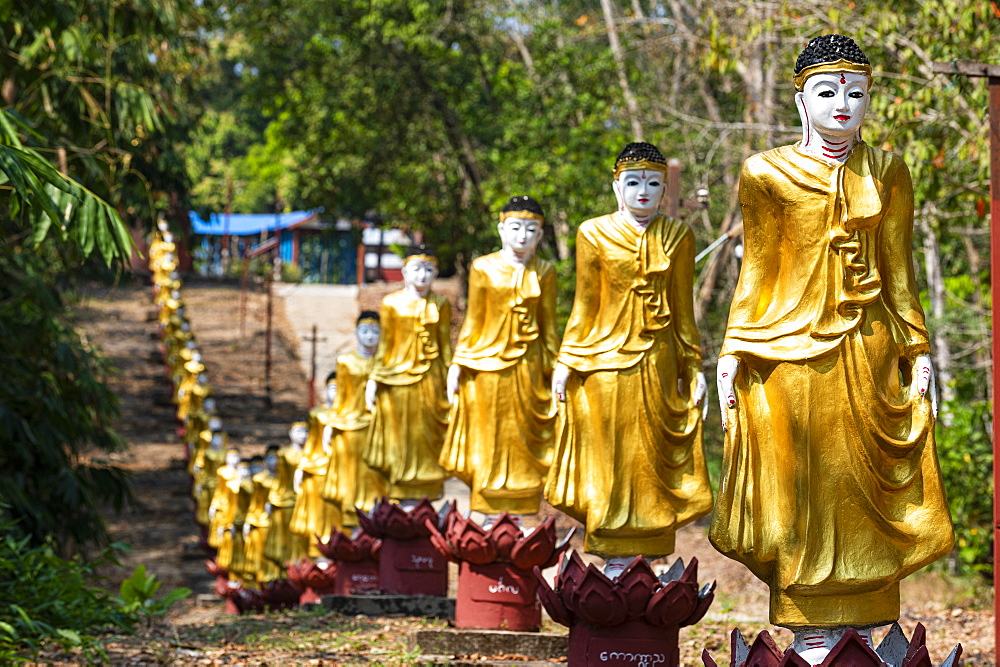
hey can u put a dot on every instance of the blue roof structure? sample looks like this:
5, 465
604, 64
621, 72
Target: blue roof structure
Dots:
247, 224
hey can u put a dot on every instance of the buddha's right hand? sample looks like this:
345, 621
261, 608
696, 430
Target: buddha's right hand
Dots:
370, 389
454, 372
725, 374
297, 481
559, 377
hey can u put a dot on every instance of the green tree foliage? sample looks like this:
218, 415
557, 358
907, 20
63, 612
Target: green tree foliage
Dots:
87, 88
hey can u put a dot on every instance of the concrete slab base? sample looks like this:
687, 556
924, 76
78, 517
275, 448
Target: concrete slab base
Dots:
446, 642
391, 605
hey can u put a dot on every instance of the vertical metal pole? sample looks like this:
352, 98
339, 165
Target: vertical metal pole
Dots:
312, 367
673, 187
244, 279
994, 83
267, 347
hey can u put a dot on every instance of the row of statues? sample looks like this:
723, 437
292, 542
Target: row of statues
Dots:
830, 490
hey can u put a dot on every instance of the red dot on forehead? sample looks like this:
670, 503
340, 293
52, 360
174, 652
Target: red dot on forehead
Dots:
643, 174
843, 79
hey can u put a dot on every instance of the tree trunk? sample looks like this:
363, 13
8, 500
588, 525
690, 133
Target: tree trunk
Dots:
616, 51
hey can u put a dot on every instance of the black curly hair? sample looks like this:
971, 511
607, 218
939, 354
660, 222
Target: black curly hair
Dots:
830, 49
523, 203
638, 151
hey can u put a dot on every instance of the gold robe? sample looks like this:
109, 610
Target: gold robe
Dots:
238, 564
499, 439
262, 569
830, 488
224, 503
206, 477
350, 482
312, 516
411, 411
281, 544
628, 461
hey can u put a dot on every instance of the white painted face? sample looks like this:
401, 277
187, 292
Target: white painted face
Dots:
520, 235
419, 274
209, 402
217, 441
271, 461
298, 434
168, 237
331, 392
367, 334
244, 471
640, 191
835, 103
214, 424
232, 459
256, 467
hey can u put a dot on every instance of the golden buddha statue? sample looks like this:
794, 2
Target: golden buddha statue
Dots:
198, 432
282, 545
312, 515
239, 530
350, 482
206, 477
222, 509
265, 482
628, 461
499, 439
830, 489
406, 389
258, 568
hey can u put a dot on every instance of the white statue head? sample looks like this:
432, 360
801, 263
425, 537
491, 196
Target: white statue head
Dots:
256, 465
640, 180
832, 76
232, 457
217, 441
168, 237
330, 391
243, 470
271, 459
214, 424
367, 332
420, 268
298, 433
520, 227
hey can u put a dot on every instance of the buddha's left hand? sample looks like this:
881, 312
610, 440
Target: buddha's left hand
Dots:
923, 382
700, 391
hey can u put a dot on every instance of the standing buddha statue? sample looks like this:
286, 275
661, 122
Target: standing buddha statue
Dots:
830, 489
223, 508
406, 389
259, 570
350, 482
313, 516
282, 545
499, 439
206, 476
628, 460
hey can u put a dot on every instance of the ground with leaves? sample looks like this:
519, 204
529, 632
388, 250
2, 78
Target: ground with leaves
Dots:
161, 530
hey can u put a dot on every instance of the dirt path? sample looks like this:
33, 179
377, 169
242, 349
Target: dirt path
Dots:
161, 528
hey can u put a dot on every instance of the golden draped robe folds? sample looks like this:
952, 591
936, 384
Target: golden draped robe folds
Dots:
411, 408
282, 545
350, 482
313, 516
499, 439
830, 486
628, 460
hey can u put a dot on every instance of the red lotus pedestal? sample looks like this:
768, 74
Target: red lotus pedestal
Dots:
412, 567
313, 579
496, 588
851, 651
631, 620
357, 562
408, 562
497, 596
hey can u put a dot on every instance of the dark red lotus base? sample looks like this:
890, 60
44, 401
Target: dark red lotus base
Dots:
497, 596
626, 645
412, 567
357, 577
